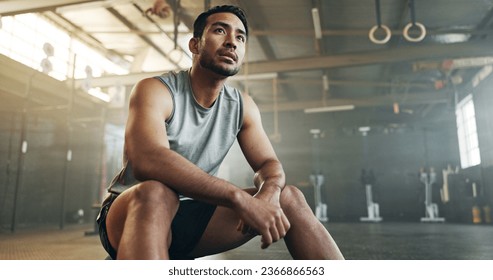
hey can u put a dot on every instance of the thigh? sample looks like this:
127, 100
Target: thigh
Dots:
146, 208
115, 219
221, 233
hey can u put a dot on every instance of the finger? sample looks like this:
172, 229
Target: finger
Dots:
274, 232
265, 245
286, 225
266, 240
281, 230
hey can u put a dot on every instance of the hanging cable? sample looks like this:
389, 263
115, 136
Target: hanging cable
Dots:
377, 8
412, 11
379, 25
207, 5
176, 21
414, 23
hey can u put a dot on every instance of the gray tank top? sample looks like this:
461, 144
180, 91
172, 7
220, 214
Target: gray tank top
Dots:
204, 136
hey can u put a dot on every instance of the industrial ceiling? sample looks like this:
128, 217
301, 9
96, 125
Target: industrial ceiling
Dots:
399, 58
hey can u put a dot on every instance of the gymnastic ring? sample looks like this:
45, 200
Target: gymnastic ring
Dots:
372, 34
405, 33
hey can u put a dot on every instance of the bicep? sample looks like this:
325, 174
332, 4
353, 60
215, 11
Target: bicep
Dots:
253, 139
150, 104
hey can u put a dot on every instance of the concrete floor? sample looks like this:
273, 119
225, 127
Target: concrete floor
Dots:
357, 241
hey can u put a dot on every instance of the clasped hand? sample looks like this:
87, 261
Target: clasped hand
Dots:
263, 215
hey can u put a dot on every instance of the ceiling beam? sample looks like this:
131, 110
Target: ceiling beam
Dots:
441, 51
131, 79
146, 39
409, 53
170, 35
363, 32
435, 97
357, 83
484, 25
304, 32
11, 8
79, 33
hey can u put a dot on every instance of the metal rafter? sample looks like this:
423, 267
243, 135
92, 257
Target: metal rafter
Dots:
421, 52
393, 55
146, 39
435, 97
78, 32
11, 8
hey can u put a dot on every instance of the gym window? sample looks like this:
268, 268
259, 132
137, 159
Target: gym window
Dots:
467, 133
23, 38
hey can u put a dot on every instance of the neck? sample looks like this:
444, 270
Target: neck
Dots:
206, 85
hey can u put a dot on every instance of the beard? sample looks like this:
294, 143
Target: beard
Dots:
207, 62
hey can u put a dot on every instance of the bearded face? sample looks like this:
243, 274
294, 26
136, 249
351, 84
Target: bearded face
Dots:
221, 48
220, 67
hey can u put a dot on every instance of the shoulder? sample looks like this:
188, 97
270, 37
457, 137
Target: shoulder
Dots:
248, 100
251, 113
149, 88
151, 93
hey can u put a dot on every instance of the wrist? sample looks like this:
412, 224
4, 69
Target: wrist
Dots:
238, 199
271, 188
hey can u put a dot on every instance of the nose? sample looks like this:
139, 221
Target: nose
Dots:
229, 42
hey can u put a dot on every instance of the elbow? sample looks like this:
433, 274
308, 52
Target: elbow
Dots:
140, 168
140, 173
147, 164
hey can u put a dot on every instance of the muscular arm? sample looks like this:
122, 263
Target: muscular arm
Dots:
269, 175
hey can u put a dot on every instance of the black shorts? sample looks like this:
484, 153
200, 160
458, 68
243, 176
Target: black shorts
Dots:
187, 227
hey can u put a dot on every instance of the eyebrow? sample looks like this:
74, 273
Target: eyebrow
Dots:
226, 25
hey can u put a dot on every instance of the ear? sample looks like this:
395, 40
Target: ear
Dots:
193, 45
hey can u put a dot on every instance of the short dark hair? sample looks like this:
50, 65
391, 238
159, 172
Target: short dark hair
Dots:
200, 22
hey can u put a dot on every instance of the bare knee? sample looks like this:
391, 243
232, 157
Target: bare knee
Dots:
152, 194
293, 198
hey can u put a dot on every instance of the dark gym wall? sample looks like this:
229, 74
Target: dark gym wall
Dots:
44, 169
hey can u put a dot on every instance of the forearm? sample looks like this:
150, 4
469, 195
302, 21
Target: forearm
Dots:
176, 172
270, 177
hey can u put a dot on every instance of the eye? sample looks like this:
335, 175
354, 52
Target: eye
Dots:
241, 38
220, 30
